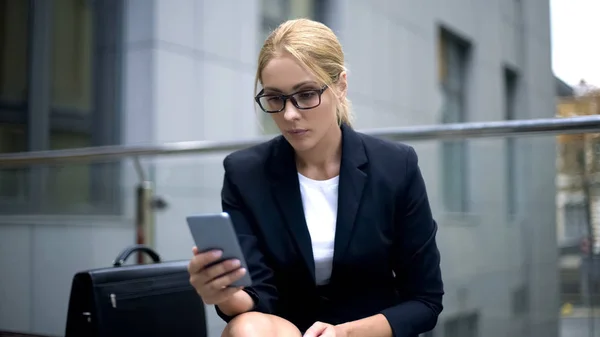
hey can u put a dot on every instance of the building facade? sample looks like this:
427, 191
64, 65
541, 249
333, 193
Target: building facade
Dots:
78, 73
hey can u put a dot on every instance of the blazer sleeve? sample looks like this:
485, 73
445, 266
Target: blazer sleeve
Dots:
416, 259
263, 290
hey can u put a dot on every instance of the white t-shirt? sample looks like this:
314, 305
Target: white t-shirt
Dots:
320, 202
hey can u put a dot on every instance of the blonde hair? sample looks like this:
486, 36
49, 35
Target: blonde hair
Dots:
316, 47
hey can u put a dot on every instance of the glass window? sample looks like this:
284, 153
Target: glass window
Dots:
520, 301
13, 182
462, 326
82, 91
275, 9
71, 104
13, 93
452, 63
13, 51
512, 177
575, 221
72, 57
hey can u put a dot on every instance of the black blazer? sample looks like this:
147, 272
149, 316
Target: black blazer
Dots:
385, 255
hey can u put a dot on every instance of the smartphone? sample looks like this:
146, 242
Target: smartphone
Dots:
215, 231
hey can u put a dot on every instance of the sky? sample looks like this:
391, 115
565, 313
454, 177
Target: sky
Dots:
576, 40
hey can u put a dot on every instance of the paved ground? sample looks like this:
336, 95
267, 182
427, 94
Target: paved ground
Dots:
579, 327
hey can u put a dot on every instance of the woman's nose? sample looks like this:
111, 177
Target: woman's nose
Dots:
291, 113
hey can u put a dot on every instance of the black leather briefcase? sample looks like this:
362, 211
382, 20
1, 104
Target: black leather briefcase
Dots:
135, 300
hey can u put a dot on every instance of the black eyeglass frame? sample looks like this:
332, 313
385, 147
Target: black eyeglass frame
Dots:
285, 98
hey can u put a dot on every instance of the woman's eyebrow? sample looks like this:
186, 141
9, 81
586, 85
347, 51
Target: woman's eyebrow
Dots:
295, 87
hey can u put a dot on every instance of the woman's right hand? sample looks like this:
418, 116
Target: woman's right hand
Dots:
213, 283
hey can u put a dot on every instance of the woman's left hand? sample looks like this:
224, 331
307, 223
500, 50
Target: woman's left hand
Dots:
320, 329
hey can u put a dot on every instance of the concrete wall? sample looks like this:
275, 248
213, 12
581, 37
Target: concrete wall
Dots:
189, 74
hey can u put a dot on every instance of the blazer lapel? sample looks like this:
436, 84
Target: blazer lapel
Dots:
286, 191
353, 178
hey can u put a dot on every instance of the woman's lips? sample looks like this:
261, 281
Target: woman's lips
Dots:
297, 132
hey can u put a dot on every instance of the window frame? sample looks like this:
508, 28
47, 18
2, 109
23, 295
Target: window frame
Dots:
103, 128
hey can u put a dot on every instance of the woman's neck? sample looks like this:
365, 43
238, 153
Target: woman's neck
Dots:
322, 161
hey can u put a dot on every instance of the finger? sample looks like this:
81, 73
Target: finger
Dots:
212, 292
223, 295
226, 280
328, 332
200, 261
316, 329
195, 250
219, 269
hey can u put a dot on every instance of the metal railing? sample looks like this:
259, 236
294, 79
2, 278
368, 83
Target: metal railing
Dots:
146, 201
512, 128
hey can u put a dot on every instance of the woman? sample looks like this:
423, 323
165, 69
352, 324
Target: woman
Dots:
335, 225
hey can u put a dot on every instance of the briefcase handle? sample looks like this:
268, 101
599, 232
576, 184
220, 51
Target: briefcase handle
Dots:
124, 255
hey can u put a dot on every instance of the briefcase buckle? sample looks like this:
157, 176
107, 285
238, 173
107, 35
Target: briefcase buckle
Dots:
113, 300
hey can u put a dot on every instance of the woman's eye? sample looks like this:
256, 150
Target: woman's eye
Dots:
306, 95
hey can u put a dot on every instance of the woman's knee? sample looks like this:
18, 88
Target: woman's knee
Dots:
255, 324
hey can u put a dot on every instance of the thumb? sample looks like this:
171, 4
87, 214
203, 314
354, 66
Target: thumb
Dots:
315, 330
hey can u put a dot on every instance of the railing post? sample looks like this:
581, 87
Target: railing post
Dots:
144, 212
144, 219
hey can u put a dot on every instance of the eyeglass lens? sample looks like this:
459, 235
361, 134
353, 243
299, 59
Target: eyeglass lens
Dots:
302, 100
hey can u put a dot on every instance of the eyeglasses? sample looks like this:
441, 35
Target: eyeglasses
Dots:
302, 100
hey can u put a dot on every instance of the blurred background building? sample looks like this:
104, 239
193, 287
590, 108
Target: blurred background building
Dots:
578, 200
78, 73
